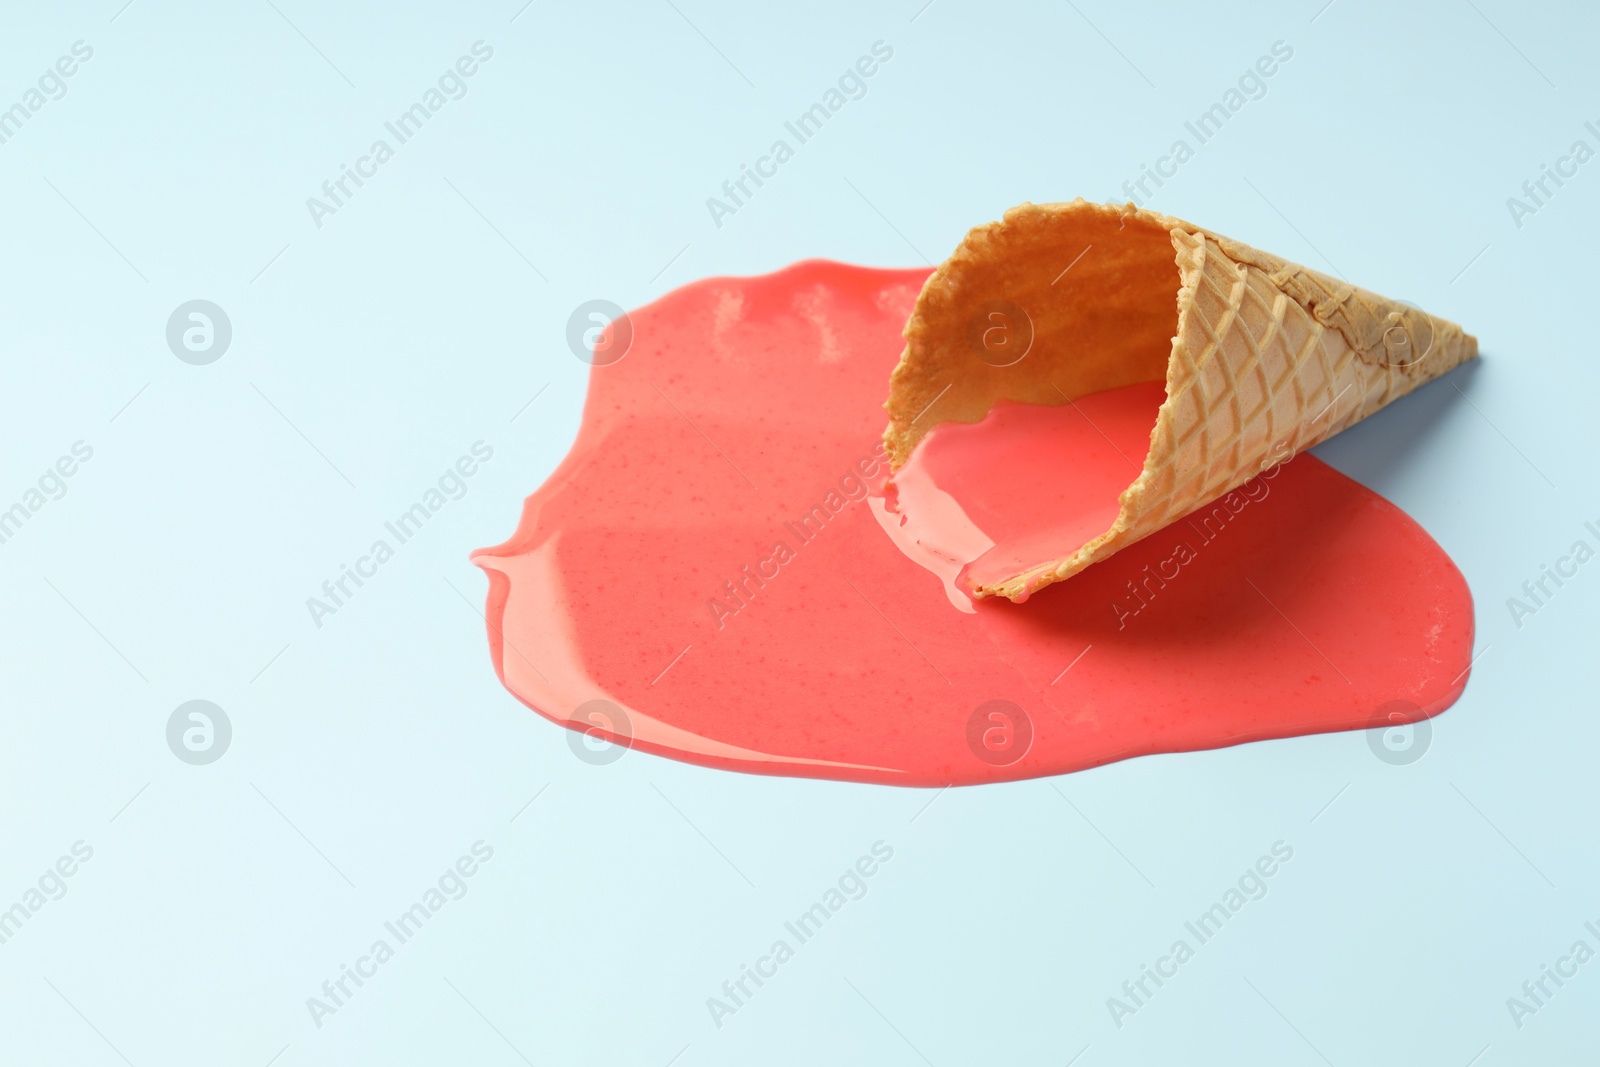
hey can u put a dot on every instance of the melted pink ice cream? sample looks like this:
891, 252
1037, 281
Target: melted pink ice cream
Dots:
719, 572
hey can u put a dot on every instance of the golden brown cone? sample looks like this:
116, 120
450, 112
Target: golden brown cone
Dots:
1263, 358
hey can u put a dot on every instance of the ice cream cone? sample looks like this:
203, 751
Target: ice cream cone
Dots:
1263, 359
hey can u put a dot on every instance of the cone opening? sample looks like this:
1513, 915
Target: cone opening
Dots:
1044, 307
1073, 309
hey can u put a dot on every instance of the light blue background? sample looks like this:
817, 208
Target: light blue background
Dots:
369, 754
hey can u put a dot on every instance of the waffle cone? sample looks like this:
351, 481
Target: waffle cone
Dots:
1264, 358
